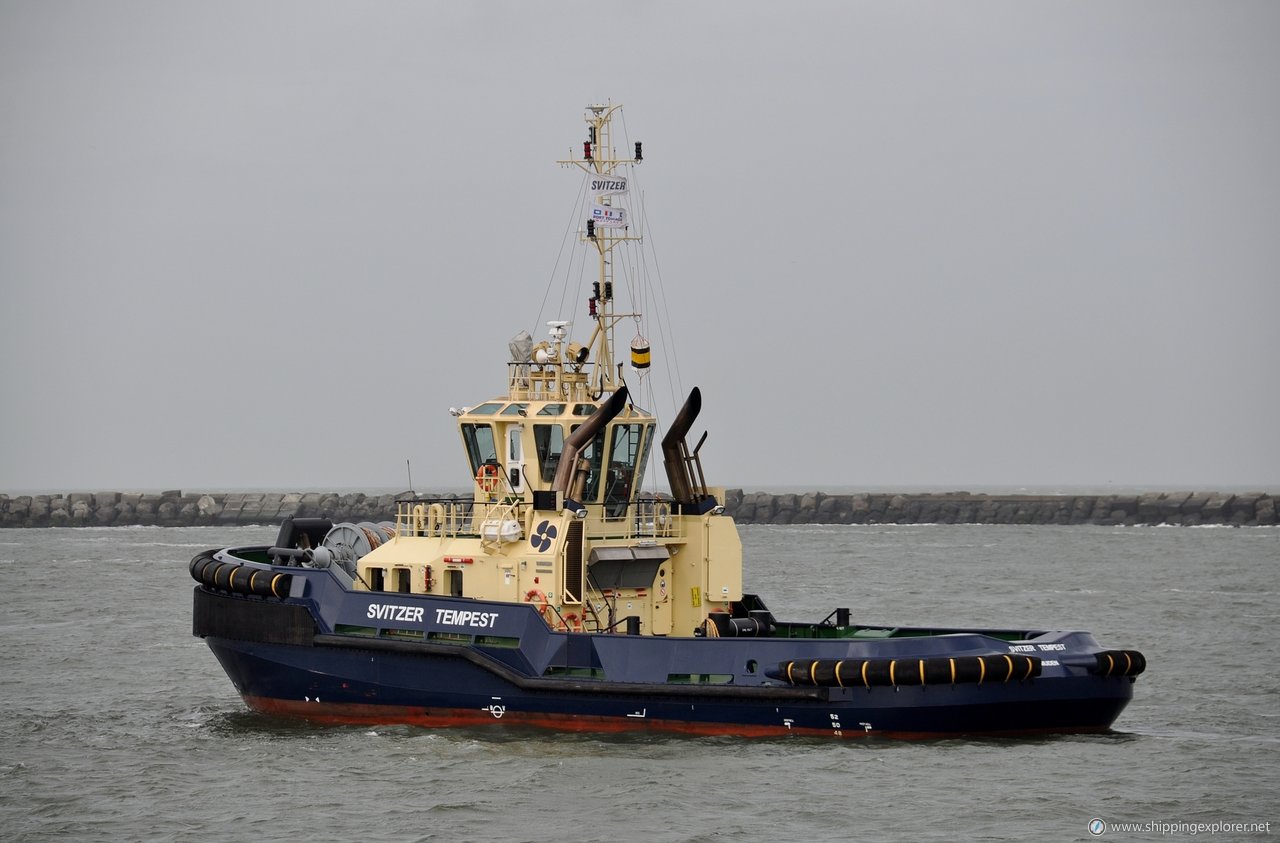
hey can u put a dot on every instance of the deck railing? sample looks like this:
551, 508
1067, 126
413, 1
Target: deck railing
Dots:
549, 382
646, 519
443, 517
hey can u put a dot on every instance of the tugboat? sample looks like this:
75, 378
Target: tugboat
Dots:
559, 594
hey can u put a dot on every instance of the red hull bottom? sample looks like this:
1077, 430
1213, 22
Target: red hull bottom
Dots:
356, 714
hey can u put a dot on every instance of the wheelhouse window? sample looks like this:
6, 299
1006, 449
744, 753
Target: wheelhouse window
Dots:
593, 453
628, 453
481, 449
549, 439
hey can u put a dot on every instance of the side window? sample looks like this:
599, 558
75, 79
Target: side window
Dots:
644, 455
549, 439
515, 457
480, 445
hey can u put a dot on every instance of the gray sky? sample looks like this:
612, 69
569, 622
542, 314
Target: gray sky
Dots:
269, 244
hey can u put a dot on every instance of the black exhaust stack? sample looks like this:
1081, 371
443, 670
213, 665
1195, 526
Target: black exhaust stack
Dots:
684, 468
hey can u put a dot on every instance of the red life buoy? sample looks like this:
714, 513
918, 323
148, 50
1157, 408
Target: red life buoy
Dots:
488, 478
536, 596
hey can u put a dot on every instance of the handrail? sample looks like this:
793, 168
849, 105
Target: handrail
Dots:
644, 519
546, 382
451, 517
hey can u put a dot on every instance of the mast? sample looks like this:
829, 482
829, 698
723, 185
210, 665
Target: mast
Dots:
607, 226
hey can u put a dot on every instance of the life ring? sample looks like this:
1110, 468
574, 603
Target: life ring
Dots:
536, 595
571, 623
436, 516
488, 478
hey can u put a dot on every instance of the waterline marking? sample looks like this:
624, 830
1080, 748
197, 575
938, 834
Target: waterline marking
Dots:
1099, 827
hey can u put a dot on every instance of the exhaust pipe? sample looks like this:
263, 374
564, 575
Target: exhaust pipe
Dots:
579, 439
684, 468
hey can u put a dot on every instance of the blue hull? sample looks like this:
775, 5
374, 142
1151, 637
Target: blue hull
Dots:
330, 654
348, 686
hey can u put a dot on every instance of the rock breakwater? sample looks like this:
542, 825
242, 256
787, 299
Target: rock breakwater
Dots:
179, 509
1152, 508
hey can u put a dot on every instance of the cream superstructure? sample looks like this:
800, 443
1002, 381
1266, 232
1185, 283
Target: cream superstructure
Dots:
557, 517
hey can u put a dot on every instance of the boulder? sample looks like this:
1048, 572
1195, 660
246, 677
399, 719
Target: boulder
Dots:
19, 509
1244, 509
927, 511
843, 513
807, 509
1194, 505
1149, 507
766, 505
896, 508
1102, 508
1214, 510
102, 500
1171, 504
58, 502
39, 508
1128, 504
860, 507
1082, 509
81, 512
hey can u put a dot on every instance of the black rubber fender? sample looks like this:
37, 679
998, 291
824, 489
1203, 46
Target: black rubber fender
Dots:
936, 670
239, 578
199, 562
1119, 663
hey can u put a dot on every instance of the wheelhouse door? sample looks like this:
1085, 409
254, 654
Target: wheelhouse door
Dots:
515, 458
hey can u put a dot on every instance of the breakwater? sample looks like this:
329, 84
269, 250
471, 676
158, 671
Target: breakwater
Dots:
1152, 508
178, 509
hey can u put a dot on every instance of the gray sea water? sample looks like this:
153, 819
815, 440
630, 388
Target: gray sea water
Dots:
119, 725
